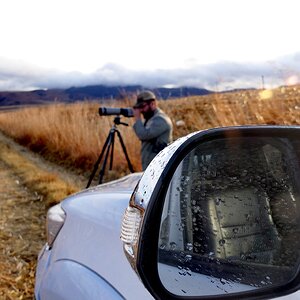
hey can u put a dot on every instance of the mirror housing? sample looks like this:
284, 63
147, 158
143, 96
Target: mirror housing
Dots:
153, 195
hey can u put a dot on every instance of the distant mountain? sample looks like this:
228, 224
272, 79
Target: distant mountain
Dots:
95, 92
119, 92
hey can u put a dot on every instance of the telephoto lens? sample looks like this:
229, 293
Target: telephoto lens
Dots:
115, 111
127, 112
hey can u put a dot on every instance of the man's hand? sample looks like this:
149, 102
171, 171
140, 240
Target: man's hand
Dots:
137, 113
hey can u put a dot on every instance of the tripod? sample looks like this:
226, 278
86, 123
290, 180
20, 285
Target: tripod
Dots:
109, 148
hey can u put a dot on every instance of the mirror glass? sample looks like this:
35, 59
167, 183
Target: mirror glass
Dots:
230, 220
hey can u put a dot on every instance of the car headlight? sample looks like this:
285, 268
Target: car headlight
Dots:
55, 220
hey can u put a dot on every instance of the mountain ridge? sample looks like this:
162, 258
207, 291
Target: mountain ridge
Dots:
91, 92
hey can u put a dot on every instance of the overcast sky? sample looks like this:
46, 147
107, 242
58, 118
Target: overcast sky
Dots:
215, 44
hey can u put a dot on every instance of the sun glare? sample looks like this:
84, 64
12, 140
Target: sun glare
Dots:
265, 94
292, 80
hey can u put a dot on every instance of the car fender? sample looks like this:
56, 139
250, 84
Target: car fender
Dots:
61, 283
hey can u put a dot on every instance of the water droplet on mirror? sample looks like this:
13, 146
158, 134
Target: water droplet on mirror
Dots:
244, 173
247, 216
179, 189
173, 245
188, 258
162, 246
189, 246
222, 242
218, 201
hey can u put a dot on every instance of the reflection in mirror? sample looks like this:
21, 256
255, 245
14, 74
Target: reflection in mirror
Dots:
230, 220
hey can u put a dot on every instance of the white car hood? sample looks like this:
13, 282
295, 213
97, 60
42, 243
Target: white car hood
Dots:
91, 235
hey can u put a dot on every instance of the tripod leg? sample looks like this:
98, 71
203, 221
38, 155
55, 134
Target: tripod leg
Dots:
125, 151
112, 150
102, 171
99, 160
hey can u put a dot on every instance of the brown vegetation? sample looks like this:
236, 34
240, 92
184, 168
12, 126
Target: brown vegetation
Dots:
74, 134
28, 187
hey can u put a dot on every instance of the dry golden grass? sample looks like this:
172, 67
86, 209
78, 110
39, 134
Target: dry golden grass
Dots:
27, 189
22, 217
74, 134
47, 184
279, 106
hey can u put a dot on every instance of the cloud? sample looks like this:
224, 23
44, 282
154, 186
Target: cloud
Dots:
19, 75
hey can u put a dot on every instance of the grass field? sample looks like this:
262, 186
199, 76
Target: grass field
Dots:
73, 134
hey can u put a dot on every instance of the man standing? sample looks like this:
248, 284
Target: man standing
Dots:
155, 131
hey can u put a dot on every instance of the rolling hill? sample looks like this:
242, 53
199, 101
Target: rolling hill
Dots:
95, 92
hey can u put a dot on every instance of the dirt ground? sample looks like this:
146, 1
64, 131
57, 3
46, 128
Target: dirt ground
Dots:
22, 235
22, 219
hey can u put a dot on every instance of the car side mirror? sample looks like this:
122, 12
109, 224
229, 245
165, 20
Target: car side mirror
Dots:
222, 215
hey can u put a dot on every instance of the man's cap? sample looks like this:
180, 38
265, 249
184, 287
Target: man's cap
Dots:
143, 97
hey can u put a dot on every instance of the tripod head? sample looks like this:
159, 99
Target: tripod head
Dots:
117, 121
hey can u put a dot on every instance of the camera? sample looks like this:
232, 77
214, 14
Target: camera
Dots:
113, 111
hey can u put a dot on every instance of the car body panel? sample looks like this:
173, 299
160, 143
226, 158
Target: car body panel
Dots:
90, 237
62, 283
